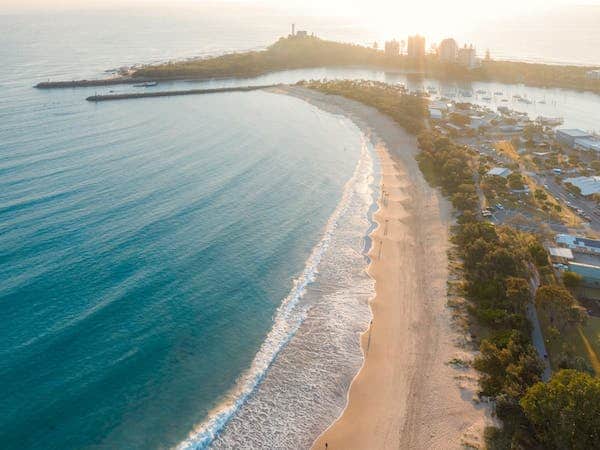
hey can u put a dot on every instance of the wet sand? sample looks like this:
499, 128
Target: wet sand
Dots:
407, 395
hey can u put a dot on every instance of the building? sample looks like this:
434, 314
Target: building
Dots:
478, 122
467, 57
580, 244
587, 185
416, 46
448, 51
560, 255
589, 272
569, 136
437, 104
591, 144
511, 129
392, 48
435, 114
499, 172
299, 33
593, 74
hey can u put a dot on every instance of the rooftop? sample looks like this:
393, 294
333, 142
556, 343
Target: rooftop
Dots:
587, 185
588, 143
574, 133
561, 252
499, 172
578, 241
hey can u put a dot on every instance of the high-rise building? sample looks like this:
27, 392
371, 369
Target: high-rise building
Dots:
448, 50
392, 48
416, 46
467, 57
593, 74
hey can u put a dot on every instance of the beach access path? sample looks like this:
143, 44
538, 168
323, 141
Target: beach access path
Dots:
407, 394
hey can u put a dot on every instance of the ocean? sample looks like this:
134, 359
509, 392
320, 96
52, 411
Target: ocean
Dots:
181, 272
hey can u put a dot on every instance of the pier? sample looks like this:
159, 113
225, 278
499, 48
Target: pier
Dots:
133, 95
89, 83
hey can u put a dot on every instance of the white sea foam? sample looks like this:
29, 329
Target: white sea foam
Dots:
351, 214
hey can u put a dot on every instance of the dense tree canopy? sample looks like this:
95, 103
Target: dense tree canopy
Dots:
560, 306
565, 412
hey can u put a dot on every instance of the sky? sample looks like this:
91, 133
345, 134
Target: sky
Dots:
334, 7
434, 18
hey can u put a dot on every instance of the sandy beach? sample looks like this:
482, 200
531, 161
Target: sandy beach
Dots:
407, 393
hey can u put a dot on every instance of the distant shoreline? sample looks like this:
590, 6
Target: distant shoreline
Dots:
303, 53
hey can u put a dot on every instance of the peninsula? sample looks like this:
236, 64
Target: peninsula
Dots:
299, 52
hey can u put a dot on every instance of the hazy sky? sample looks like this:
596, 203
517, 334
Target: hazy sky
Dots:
431, 17
341, 7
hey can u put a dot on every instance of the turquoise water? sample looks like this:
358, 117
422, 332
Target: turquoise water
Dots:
145, 248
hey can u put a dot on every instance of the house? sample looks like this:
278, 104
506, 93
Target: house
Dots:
435, 114
499, 172
477, 122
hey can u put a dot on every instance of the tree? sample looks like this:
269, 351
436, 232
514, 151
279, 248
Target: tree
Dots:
509, 368
571, 279
518, 293
515, 181
459, 119
565, 412
540, 194
560, 306
539, 254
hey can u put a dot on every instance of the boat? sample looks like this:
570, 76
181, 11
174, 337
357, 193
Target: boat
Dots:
487, 99
432, 89
498, 93
146, 84
481, 91
525, 100
466, 94
542, 102
505, 100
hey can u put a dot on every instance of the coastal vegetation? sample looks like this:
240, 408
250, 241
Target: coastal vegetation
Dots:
499, 264
295, 52
285, 54
409, 111
575, 396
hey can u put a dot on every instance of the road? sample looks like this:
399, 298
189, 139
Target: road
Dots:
536, 333
538, 340
559, 192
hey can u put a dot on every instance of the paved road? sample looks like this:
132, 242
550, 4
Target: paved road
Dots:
589, 207
538, 340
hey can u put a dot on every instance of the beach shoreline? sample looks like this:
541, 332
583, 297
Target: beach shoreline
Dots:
406, 394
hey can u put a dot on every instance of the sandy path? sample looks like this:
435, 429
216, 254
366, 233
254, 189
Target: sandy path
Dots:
406, 396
